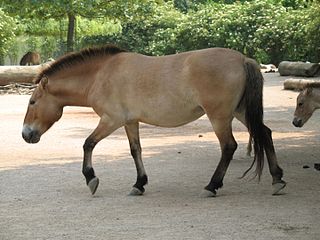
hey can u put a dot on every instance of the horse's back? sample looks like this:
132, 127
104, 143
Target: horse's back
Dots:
215, 65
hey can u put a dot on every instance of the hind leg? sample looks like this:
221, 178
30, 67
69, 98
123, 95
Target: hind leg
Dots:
274, 169
228, 145
132, 131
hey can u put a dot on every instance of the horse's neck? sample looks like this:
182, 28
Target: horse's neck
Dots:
72, 91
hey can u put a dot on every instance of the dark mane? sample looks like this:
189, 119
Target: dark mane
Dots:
77, 57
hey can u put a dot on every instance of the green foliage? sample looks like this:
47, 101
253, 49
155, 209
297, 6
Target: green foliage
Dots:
58, 9
37, 10
264, 30
291, 35
7, 29
267, 30
312, 30
147, 28
104, 26
232, 26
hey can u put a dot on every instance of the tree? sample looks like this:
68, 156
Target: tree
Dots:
70, 9
7, 28
147, 28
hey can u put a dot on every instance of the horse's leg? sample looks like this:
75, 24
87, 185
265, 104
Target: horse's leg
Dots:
228, 145
104, 128
132, 131
274, 169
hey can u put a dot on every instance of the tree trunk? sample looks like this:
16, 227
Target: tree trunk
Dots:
70, 37
1, 59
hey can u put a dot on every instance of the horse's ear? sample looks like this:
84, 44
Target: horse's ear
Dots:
44, 82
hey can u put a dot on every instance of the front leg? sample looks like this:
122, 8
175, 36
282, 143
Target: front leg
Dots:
132, 130
87, 169
105, 127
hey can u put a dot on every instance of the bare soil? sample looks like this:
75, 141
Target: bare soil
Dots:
43, 194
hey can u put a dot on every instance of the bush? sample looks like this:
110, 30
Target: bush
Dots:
244, 27
149, 29
7, 28
290, 35
267, 31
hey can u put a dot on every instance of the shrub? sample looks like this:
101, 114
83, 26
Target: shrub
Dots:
7, 28
265, 30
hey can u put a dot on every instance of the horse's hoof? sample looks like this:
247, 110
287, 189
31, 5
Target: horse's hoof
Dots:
93, 185
135, 192
277, 187
208, 194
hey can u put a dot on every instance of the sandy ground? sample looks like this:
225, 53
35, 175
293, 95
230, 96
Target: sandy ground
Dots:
43, 193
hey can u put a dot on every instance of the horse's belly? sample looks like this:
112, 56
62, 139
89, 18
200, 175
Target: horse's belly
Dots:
172, 117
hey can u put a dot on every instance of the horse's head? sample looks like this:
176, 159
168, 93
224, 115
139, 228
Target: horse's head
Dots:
305, 107
43, 111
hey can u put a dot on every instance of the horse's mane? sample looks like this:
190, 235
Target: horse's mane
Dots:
77, 57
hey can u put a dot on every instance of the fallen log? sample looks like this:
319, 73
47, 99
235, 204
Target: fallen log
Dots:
287, 68
19, 74
299, 84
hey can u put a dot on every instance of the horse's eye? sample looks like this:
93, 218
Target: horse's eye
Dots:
31, 102
300, 104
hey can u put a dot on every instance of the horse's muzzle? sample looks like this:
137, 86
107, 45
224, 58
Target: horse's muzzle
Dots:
297, 122
30, 135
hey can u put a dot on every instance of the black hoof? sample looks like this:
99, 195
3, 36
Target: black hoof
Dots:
277, 187
93, 185
139, 185
136, 192
207, 193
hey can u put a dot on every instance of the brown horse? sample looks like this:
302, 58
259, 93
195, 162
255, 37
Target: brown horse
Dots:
30, 58
307, 102
126, 88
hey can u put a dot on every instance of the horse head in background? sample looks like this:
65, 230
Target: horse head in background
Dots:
307, 102
30, 58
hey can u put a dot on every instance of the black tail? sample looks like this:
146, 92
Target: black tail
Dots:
253, 102
24, 59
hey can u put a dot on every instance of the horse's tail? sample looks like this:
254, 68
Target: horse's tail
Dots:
253, 102
24, 59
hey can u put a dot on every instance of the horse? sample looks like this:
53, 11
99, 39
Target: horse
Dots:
30, 58
126, 88
308, 101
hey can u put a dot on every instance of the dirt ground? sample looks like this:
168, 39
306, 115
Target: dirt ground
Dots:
43, 194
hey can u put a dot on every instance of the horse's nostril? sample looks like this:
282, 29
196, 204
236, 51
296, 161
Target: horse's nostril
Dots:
24, 136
